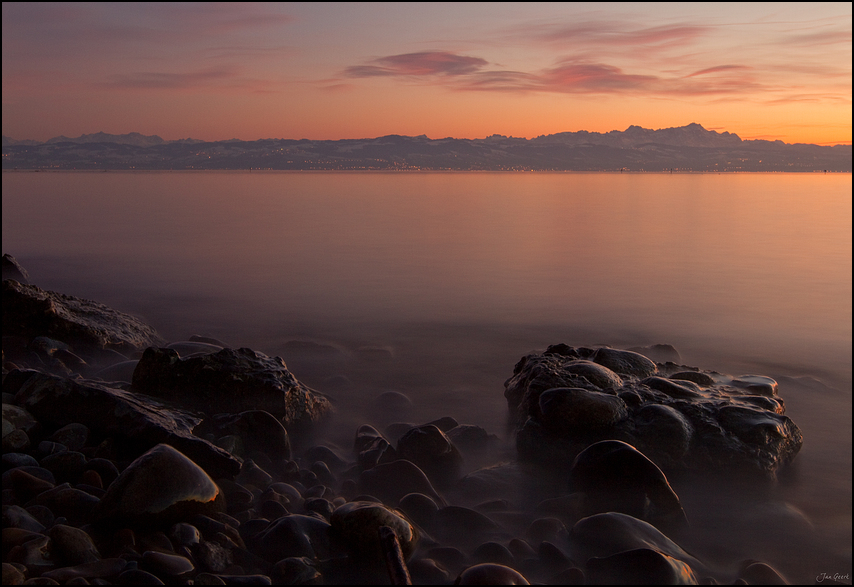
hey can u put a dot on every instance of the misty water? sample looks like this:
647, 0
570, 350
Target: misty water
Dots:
435, 284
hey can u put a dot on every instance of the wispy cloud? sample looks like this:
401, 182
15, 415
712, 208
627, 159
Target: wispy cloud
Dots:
426, 63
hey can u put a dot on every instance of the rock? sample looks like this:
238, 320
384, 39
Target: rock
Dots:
639, 566
231, 380
86, 326
687, 421
72, 546
576, 412
604, 535
490, 574
161, 487
391, 481
464, 527
433, 453
13, 270
140, 421
294, 536
258, 431
625, 362
356, 525
701, 379
295, 571
372, 448
419, 508
616, 477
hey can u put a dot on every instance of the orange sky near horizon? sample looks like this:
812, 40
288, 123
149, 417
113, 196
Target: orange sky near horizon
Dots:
333, 71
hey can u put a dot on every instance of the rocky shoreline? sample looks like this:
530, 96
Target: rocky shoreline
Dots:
130, 460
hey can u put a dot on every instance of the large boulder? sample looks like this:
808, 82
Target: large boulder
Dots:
231, 380
86, 326
680, 422
136, 422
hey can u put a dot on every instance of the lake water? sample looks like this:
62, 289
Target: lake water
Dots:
435, 284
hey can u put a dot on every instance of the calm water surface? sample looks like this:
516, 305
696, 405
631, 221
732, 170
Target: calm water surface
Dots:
435, 284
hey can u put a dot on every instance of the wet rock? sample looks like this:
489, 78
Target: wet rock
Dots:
391, 481
294, 535
579, 412
426, 571
171, 565
12, 575
701, 379
65, 501
615, 477
73, 435
490, 574
296, 571
687, 421
356, 525
419, 508
140, 420
464, 527
72, 546
664, 432
231, 380
121, 371
625, 362
639, 566
758, 573
604, 535
87, 326
493, 552
108, 567
161, 487
372, 448
757, 384
15, 516
258, 431
433, 453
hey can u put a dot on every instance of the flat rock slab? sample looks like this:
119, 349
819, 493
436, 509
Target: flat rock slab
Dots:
138, 421
721, 423
29, 311
231, 380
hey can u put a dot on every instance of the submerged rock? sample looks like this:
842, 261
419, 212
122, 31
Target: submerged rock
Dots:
689, 421
231, 380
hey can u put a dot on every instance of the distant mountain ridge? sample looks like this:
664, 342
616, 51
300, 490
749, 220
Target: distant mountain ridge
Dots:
686, 148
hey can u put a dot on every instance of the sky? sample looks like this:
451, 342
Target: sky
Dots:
216, 71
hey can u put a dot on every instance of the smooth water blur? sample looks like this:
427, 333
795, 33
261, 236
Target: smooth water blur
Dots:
435, 284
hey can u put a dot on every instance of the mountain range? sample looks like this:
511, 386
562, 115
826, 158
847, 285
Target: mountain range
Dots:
686, 148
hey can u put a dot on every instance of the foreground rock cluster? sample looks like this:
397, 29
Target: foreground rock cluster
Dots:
128, 460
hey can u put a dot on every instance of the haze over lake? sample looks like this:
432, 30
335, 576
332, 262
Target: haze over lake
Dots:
435, 284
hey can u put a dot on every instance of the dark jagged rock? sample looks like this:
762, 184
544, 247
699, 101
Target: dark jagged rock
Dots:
86, 326
691, 420
13, 270
231, 380
139, 421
